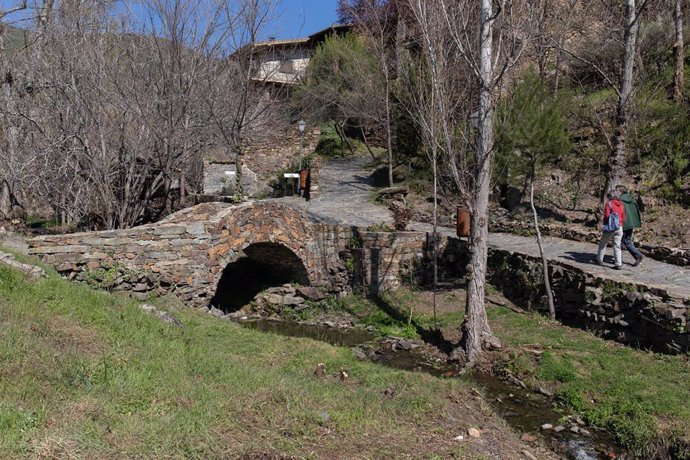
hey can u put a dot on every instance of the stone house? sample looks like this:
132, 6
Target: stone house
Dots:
284, 62
279, 65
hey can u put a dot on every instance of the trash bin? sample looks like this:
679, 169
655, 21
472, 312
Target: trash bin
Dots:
463, 223
303, 176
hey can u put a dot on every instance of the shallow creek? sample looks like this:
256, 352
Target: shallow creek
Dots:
524, 410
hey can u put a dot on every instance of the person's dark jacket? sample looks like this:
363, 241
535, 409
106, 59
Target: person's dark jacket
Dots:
632, 212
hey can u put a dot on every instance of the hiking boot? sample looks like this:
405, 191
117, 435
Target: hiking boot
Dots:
638, 260
617, 267
598, 262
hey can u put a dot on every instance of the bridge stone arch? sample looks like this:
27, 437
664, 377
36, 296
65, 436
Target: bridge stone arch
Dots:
275, 234
280, 258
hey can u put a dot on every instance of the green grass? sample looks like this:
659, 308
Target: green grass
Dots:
640, 396
87, 374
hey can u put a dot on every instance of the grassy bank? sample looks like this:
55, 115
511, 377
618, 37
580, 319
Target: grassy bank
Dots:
641, 397
84, 374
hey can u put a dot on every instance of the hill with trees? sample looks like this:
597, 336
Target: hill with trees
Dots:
621, 100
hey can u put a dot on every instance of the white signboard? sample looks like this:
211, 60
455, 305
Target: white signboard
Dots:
291, 175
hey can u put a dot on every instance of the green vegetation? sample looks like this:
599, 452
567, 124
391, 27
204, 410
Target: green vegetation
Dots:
343, 86
331, 144
87, 374
531, 131
380, 227
640, 396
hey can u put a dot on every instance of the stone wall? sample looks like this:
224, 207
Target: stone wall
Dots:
275, 150
220, 179
629, 313
186, 253
386, 260
278, 151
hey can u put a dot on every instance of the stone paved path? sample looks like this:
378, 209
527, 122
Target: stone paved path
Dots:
345, 197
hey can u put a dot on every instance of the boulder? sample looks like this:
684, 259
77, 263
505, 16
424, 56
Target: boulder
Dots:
311, 293
290, 299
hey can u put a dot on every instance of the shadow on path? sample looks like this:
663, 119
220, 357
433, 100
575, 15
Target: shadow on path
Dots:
589, 258
581, 257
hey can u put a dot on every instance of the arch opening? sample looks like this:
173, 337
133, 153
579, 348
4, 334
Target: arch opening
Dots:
259, 267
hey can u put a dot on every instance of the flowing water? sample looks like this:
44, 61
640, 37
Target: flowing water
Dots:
524, 410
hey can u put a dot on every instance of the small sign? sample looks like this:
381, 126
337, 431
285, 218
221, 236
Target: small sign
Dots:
230, 173
291, 175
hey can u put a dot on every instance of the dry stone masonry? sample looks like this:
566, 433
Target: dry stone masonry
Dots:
633, 313
186, 254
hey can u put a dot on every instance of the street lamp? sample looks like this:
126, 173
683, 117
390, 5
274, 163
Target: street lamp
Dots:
301, 125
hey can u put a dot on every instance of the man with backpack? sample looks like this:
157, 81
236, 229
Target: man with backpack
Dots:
614, 216
632, 221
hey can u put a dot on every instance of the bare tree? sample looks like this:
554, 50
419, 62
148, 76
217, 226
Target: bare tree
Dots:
247, 106
678, 53
485, 63
117, 110
544, 261
10, 142
618, 156
376, 20
436, 92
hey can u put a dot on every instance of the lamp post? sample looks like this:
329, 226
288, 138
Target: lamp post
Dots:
301, 125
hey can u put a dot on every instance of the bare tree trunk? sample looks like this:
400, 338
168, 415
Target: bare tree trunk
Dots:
5, 203
618, 157
475, 327
679, 54
366, 143
556, 81
340, 131
44, 15
10, 128
545, 264
389, 135
435, 231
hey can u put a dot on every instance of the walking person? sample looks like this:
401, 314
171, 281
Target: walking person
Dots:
632, 221
614, 216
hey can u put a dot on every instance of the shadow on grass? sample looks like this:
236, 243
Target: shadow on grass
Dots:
431, 336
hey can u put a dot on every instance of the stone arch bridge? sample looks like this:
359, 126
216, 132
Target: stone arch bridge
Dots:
186, 253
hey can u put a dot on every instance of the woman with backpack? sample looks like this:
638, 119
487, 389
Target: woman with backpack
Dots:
614, 216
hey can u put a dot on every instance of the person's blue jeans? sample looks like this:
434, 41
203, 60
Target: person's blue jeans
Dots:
629, 245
